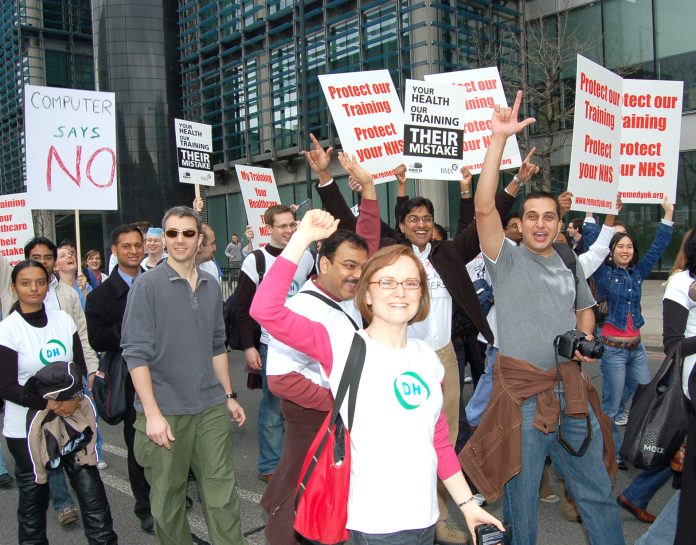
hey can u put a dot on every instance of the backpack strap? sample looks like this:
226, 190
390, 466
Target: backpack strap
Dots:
260, 264
331, 303
570, 260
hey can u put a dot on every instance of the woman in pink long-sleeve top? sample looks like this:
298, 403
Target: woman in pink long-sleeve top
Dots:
399, 438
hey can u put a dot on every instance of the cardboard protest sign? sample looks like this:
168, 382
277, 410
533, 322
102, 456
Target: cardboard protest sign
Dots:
434, 140
194, 150
595, 155
259, 192
70, 137
369, 119
483, 91
650, 132
16, 226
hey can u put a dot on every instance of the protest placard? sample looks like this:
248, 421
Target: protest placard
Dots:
650, 132
259, 192
369, 119
194, 150
16, 226
483, 91
70, 138
593, 177
434, 142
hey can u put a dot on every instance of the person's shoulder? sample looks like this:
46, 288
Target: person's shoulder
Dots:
678, 288
59, 316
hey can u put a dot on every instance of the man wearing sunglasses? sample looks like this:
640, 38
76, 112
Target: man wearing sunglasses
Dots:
280, 220
173, 341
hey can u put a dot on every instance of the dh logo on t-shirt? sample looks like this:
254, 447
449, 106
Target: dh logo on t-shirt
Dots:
411, 390
294, 288
51, 351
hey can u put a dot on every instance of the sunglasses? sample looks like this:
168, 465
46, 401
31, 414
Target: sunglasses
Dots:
173, 233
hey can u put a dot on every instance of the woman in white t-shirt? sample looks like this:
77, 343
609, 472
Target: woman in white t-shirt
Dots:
30, 337
399, 438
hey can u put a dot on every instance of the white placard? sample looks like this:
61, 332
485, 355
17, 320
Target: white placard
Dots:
259, 192
194, 151
650, 133
369, 119
434, 142
484, 90
70, 137
16, 226
593, 177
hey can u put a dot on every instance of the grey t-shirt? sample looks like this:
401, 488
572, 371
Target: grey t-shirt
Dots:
534, 296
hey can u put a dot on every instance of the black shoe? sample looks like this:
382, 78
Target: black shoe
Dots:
189, 502
148, 525
623, 466
6, 481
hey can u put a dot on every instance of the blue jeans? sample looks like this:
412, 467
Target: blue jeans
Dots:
60, 495
271, 429
585, 476
664, 529
482, 394
423, 536
646, 484
621, 368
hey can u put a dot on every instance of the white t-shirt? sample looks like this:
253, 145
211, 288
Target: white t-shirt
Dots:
35, 347
282, 359
394, 463
436, 329
303, 269
211, 268
678, 291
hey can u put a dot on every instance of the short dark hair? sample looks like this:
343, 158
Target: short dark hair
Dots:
124, 229
416, 202
509, 217
542, 195
577, 224
270, 214
67, 243
612, 246
183, 212
29, 246
442, 230
330, 245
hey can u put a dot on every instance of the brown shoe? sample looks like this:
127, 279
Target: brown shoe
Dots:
449, 535
641, 514
265, 477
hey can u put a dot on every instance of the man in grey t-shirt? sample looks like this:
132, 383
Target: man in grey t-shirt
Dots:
535, 296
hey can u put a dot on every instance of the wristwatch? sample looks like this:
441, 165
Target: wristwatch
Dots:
517, 180
233, 395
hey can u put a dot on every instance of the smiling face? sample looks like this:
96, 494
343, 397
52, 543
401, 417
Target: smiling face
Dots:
282, 228
129, 252
94, 262
623, 252
417, 226
539, 225
399, 305
154, 245
182, 249
31, 286
339, 275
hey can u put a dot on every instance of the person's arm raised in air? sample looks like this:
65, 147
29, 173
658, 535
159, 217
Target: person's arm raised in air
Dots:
663, 236
490, 229
368, 224
466, 203
268, 307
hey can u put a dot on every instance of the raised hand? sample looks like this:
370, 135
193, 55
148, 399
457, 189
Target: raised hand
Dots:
669, 209
318, 157
316, 225
355, 169
505, 120
528, 169
565, 201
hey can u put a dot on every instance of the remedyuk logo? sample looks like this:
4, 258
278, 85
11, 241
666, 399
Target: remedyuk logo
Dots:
411, 390
54, 349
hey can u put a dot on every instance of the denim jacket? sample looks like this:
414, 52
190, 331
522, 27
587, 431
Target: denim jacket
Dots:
622, 288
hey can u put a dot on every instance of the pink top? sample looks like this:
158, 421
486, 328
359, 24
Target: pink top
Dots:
312, 338
610, 330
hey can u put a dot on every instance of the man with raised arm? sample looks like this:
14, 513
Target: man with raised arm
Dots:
541, 404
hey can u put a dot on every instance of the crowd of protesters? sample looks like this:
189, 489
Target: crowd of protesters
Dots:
497, 296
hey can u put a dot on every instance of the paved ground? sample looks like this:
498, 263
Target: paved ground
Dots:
552, 528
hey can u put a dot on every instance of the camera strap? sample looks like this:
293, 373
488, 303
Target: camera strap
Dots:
561, 414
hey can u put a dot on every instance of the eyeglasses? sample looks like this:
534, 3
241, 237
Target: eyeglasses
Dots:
390, 284
349, 265
515, 226
417, 219
173, 233
286, 226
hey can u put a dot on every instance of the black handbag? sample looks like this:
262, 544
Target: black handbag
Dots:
658, 418
109, 387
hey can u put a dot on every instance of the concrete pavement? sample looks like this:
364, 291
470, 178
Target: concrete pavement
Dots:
651, 308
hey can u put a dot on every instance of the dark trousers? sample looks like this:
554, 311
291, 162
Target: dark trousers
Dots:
469, 350
686, 524
33, 499
136, 474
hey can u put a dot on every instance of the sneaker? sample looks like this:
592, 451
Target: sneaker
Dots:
101, 464
449, 535
550, 498
265, 477
621, 419
67, 516
6, 481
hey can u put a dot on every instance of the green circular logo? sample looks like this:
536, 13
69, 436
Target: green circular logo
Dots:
52, 351
411, 391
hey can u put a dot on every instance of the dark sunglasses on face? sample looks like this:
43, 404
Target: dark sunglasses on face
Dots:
173, 233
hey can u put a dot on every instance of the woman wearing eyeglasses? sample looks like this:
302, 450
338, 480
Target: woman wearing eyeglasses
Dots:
399, 439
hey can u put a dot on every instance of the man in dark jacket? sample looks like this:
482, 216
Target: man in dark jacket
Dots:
104, 311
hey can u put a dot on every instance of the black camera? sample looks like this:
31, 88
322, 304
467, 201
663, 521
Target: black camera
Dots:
489, 534
573, 340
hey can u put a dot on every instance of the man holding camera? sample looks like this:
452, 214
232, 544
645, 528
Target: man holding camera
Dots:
541, 404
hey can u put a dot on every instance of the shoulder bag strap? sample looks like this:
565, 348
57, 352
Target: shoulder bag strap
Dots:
331, 303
